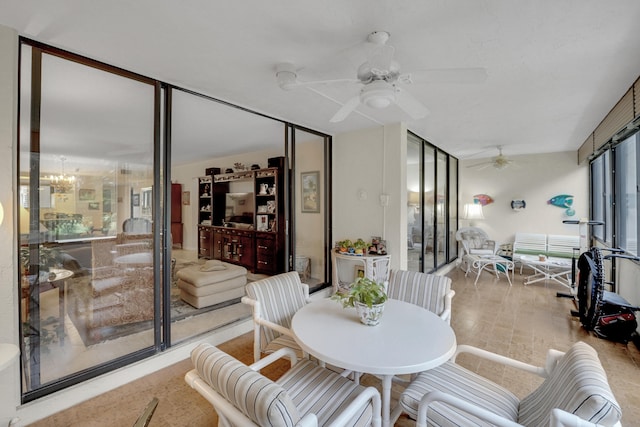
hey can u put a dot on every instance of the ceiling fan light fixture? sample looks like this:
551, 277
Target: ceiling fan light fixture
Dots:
378, 94
286, 75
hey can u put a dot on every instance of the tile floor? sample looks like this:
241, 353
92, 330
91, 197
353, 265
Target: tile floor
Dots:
518, 321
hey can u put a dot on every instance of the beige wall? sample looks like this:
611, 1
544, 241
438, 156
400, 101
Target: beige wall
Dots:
368, 164
9, 378
534, 178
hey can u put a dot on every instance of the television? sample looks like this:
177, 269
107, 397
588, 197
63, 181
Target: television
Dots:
238, 209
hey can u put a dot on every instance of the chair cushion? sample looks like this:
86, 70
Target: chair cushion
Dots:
284, 341
422, 289
578, 384
460, 382
324, 393
256, 396
280, 297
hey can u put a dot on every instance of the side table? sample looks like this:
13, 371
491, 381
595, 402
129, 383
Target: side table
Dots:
492, 263
375, 267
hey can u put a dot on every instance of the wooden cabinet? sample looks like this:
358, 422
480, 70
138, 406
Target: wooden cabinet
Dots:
205, 242
205, 200
176, 214
234, 246
241, 218
269, 255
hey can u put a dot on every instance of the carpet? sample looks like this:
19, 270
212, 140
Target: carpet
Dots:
180, 310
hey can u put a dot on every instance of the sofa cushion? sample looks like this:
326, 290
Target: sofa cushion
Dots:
256, 396
578, 384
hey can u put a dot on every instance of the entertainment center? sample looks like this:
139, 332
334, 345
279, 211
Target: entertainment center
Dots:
241, 217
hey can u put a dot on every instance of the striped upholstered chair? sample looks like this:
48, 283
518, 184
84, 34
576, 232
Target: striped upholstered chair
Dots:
274, 301
575, 390
430, 291
306, 395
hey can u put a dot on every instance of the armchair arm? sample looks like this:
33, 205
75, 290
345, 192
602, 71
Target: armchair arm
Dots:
560, 418
276, 355
369, 394
542, 372
438, 396
446, 313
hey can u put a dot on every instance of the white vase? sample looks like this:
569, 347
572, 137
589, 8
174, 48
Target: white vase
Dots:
369, 316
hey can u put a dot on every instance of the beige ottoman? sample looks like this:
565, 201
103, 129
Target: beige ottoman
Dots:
204, 288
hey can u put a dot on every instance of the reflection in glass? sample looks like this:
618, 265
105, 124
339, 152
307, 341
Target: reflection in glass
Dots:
429, 208
441, 212
87, 287
414, 212
453, 207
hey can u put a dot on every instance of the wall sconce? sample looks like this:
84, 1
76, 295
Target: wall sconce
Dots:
472, 211
1, 214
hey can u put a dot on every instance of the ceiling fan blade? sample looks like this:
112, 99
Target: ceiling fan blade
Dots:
480, 166
451, 75
346, 109
410, 105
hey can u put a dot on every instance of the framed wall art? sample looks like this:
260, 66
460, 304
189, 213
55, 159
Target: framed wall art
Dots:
310, 191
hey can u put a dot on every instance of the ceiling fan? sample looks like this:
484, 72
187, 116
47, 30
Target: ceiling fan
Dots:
498, 162
379, 79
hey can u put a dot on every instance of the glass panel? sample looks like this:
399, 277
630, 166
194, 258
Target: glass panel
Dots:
626, 159
201, 206
441, 209
309, 247
597, 200
87, 278
608, 198
429, 207
453, 207
414, 217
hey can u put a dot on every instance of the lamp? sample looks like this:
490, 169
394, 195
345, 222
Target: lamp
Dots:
472, 211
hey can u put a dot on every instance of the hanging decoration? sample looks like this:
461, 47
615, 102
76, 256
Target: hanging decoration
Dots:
518, 204
564, 201
482, 199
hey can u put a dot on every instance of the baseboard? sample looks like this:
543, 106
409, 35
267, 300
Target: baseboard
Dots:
64, 399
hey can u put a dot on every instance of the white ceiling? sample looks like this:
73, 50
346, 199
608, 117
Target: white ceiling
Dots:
554, 67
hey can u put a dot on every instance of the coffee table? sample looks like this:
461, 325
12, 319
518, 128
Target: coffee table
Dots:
408, 339
492, 263
556, 269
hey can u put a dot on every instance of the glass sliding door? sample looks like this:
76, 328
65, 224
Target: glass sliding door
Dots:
429, 205
432, 206
309, 153
87, 141
441, 209
414, 205
209, 127
453, 208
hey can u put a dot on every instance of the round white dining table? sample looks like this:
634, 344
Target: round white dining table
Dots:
408, 339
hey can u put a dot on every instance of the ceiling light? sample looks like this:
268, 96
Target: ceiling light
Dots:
62, 183
378, 94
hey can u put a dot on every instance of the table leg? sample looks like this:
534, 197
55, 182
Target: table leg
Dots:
386, 399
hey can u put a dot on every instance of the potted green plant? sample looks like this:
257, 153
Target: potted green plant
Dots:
368, 298
360, 247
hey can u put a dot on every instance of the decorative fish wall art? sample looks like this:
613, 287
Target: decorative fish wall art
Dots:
482, 199
564, 201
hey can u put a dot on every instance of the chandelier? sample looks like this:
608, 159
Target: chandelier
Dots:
62, 183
